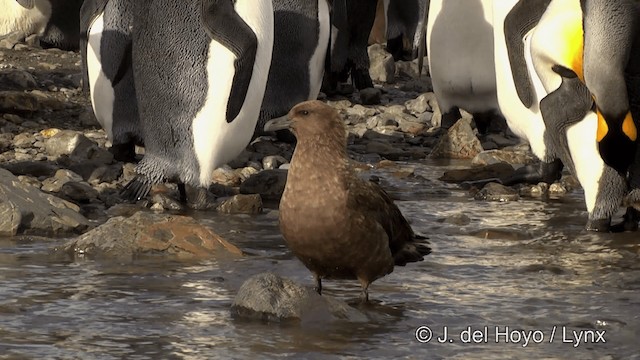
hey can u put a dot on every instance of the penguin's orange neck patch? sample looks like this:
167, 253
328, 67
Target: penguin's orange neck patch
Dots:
603, 128
629, 127
573, 35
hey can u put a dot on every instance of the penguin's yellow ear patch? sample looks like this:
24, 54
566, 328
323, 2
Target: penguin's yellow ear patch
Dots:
629, 127
603, 128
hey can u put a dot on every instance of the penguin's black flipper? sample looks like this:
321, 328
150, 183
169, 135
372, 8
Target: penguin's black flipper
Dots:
27, 4
521, 19
224, 25
136, 189
88, 12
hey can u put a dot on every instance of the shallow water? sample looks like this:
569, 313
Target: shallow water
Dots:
526, 265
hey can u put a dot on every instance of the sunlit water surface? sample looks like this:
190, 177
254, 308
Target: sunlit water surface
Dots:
526, 265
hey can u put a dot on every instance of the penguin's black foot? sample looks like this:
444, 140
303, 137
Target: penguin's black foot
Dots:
599, 225
124, 152
361, 78
196, 198
547, 172
629, 222
136, 189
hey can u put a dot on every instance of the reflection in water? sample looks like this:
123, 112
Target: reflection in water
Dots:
526, 265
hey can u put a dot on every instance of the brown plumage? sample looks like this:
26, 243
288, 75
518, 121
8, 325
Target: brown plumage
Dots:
337, 224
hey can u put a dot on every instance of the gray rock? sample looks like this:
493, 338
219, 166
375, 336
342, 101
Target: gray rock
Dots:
382, 68
268, 183
423, 103
105, 173
459, 142
40, 213
151, 234
17, 101
370, 96
535, 191
77, 147
458, 219
497, 192
162, 201
271, 162
557, 189
18, 80
10, 219
62, 176
409, 69
78, 192
242, 204
225, 175
269, 297
510, 157
500, 171
361, 111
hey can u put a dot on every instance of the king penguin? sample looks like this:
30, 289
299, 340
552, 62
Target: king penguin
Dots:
200, 70
461, 59
56, 22
302, 31
556, 91
106, 48
403, 18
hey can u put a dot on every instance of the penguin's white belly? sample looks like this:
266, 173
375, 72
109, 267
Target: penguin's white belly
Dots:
15, 18
217, 141
102, 92
525, 122
586, 157
461, 59
316, 65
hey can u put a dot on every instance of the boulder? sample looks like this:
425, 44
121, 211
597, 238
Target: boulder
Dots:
151, 234
272, 298
25, 209
459, 142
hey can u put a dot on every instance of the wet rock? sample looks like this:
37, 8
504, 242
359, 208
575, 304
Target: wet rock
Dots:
162, 201
18, 80
500, 170
370, 96
32, 168
458, 219
15, 101
382, 68
62, 176
421, 104
458, 143
409, 69
272, 298
76, 146
225, 175
535, 191
105, 173
149, 234
78, 192
242, 204
246, 172
9, 41
39, 213
273, 162
268, 183
509, 156
557, 189
497, 192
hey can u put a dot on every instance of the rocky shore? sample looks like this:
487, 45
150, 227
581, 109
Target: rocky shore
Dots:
57, 177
